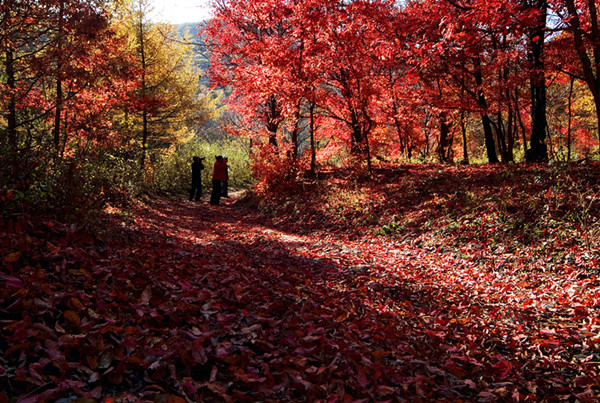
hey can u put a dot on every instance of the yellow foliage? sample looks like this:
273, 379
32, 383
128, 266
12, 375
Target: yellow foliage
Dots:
169, 75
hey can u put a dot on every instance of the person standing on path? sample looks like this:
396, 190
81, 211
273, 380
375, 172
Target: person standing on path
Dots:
224, 190
218, 176
197, 168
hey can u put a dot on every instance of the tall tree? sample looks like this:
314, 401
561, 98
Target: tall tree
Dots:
279, 54
54, 51
249, 42
170, 102
16, 34
477, 48
580, 18
538, 150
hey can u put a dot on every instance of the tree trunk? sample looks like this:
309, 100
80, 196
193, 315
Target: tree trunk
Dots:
501, 136
398, 126
59, 92
538, 151
509, 136
57, 114
519, 121
313, 151
273, 119
144, 89
490, 144
11, 113
144, 138
296, 131
463, 129
590, 70
445, 142
570, 120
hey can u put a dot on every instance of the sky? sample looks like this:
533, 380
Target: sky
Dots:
180, 11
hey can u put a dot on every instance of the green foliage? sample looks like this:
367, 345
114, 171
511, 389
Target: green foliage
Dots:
172, 172
392, 228
73, 187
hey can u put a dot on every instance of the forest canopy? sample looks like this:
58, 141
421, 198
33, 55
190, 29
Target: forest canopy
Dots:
96, 95
439, 80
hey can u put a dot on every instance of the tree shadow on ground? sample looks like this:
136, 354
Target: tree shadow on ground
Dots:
324, 325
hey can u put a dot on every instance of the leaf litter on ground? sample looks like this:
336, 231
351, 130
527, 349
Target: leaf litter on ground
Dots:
483, 289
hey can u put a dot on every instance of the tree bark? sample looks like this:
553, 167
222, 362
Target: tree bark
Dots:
11, 113
538, 151
273, 119
490, 144
570, 119
313, 150
445, 141
590, 70
144, 89
59, 92
463, 129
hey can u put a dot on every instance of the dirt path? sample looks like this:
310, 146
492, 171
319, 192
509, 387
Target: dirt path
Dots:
320, 315
191, 302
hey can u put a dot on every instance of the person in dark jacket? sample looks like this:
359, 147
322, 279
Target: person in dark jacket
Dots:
218, 176
197, 168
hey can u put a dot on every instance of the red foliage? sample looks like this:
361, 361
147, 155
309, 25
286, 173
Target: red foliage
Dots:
275, 171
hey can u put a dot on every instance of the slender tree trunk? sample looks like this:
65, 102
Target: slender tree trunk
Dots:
368, 156
490, 144
519, 121
590, 69
11, 113
144, 138
398, 126
501, 135
538, 151
57, 115
273, 119
144, 89
597, 103
65, 137
313, 148
570, 119
445, 141
59, 90
509, 128
463, 129
296, 131
357, 140
509, 136
366, 131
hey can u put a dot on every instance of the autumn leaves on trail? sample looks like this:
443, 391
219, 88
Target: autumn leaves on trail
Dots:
192, 302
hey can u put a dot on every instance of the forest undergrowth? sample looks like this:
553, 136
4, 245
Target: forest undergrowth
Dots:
419, 283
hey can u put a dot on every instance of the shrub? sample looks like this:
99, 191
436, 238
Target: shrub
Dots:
73, 187
275, 171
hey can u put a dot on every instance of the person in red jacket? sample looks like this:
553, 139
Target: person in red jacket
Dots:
219, 175
224, 183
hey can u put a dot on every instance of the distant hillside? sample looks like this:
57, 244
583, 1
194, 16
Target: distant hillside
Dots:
189, 27
201, 53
